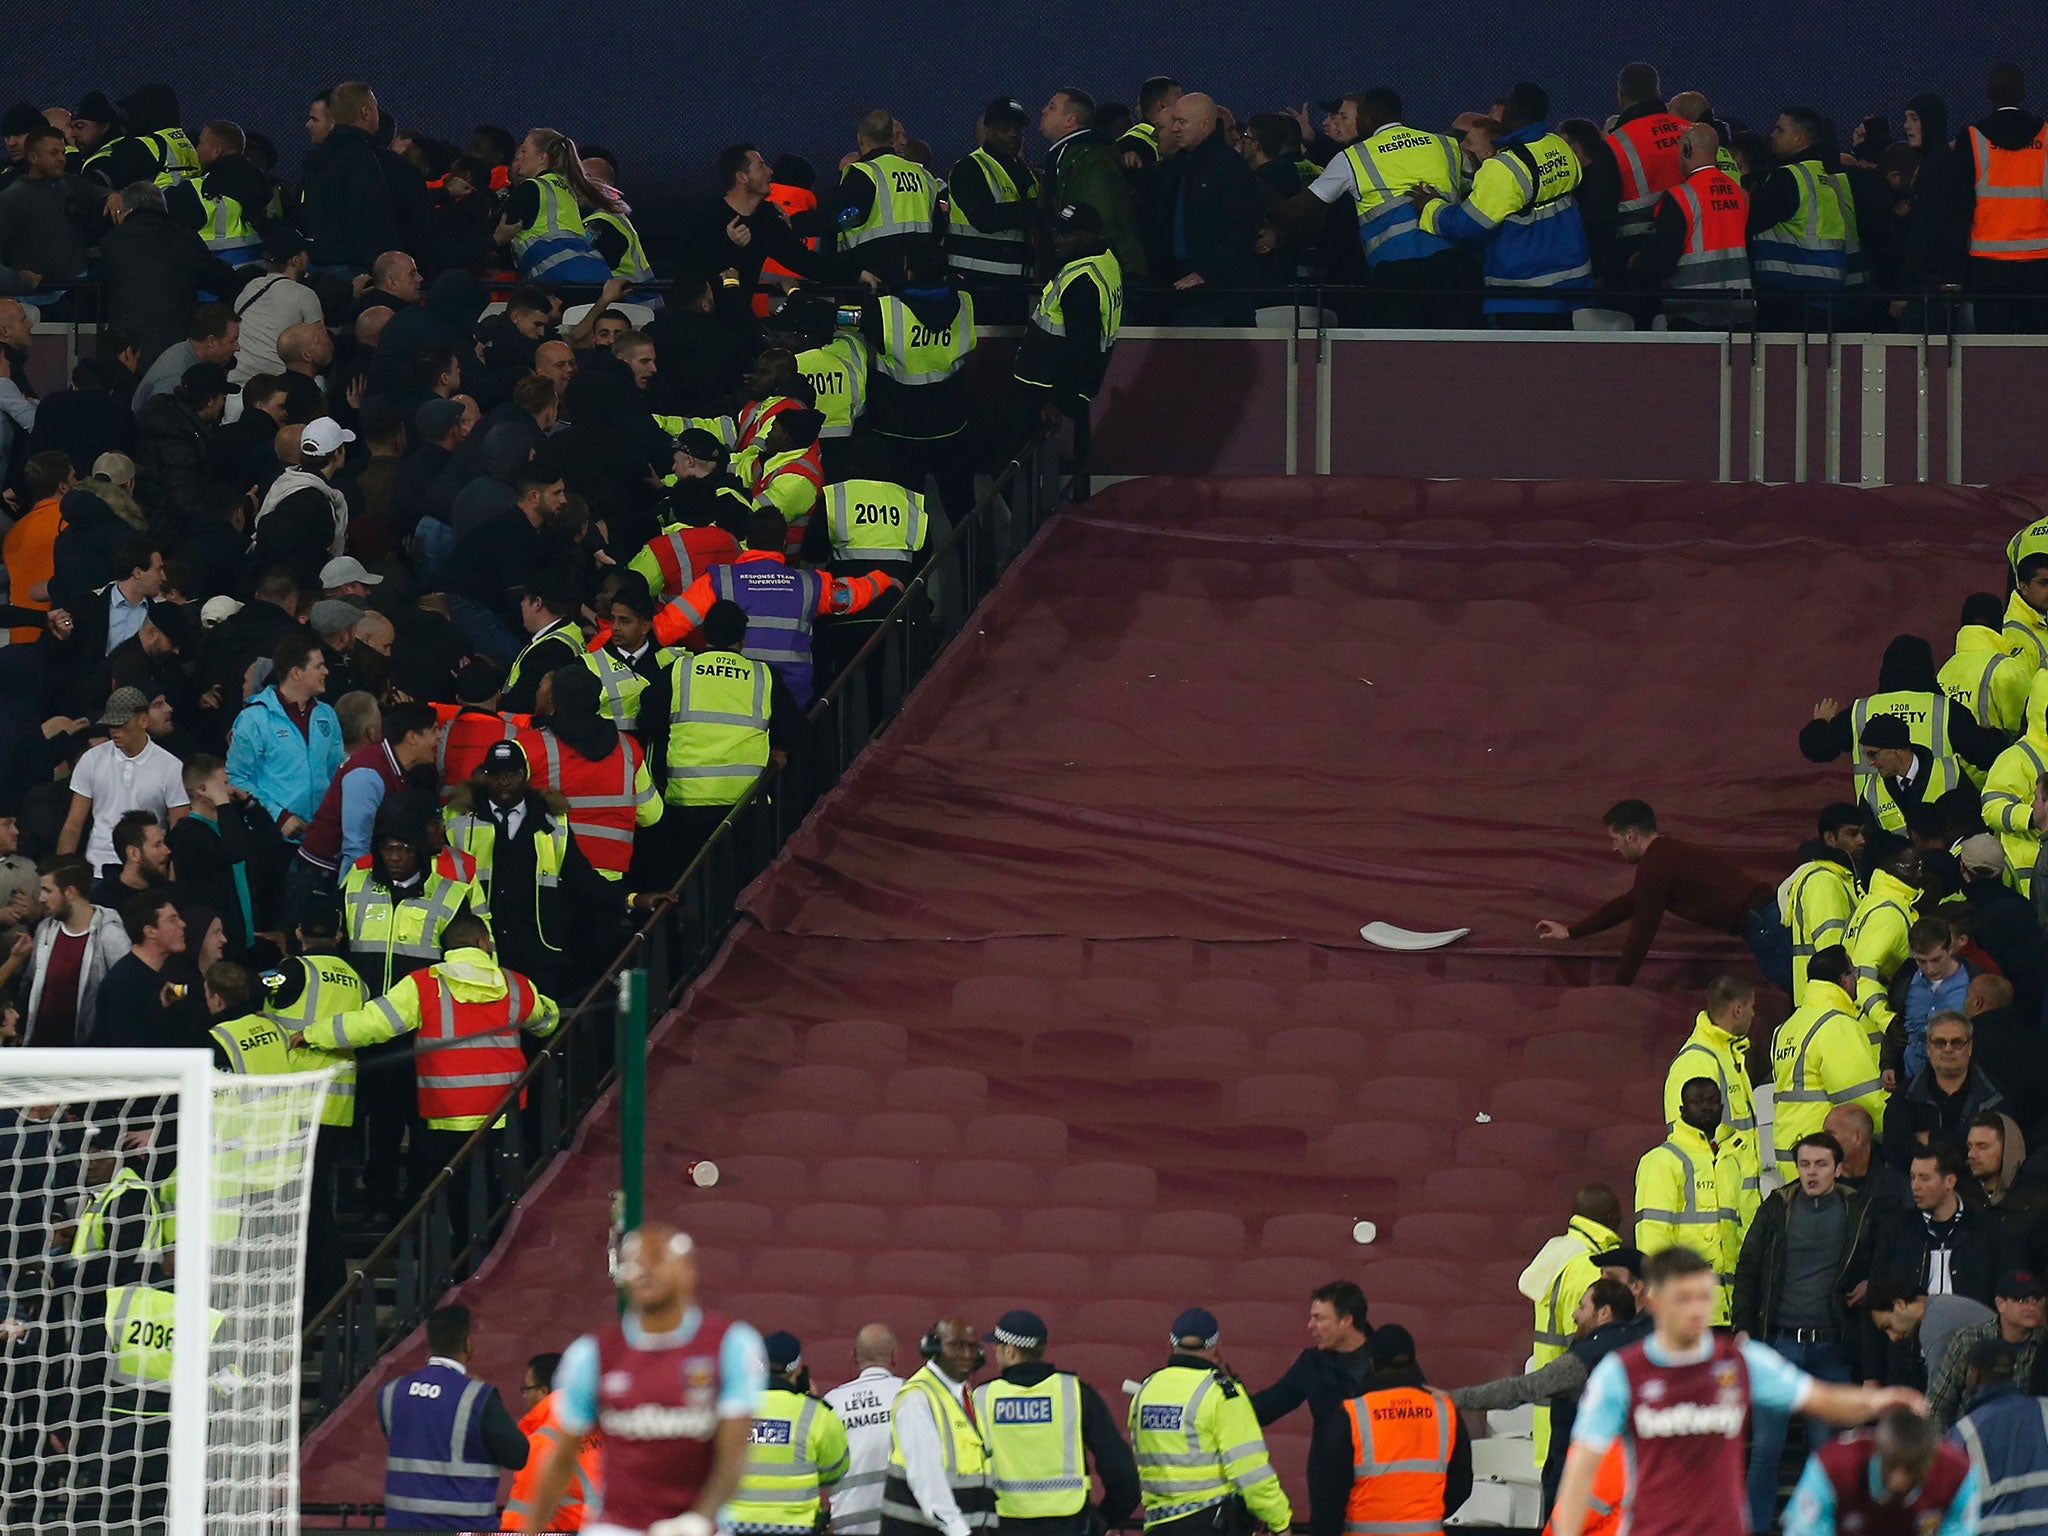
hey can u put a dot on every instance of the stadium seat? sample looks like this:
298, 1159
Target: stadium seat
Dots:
1314, 1234
939, 1272
734, 1223
807, 1132
1168, 1277
1413, 1098
907, 1132
1481, 1009
837, 1226
1612, 1151
871, 1043
718, 1269
953, 1088
1559, 1101
1264, 1323
986, 1181
859, 1179
907, 1313
1263, 1279
967, 1228
1528, 1149
1069, 1229
827, 1087
1480, 1191
761, 1177
1183, 1048
1213, 1234
1443, 1234
1093, 1052
1038, 1137
1047, 1275
1123, 1186
1251, 1003
742, 1039
1129, 999
792, 1269
1428, 1053
1392, 1146
1297, 1098
1570, 1053
1333, 1053
753, 1305
1011, 1000
1353, 1007
1118, 1322
1637, 1015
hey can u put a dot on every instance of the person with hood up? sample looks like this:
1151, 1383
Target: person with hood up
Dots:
153, 147
1939, 733
1558, 1276
1983, 675
1996, 228
1821, 1057
1398, 1419
1995, 1148
1876, 937
601, 774
1819, 896
2013, 804
100, 514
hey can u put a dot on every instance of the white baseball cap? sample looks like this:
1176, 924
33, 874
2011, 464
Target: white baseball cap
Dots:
346, 568
324, 434
218, 610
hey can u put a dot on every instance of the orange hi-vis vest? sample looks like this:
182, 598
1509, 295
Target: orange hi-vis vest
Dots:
604, 796
1401, 1441
542, 1431
1716, 211
468, 1053
2011, 221
1646, 149
1610, 1491
757, 416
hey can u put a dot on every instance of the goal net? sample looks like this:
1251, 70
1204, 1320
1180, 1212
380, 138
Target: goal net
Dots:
148, 1201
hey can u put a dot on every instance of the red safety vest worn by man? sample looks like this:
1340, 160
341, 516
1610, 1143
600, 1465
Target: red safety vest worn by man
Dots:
468, 733
1401, 1439
468, 1013
542, 1434
2011, 218
609, 797
757, 416
682, 553
1646, 150
1716, 214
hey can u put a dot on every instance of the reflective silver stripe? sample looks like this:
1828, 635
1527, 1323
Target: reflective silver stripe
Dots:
1176, 1459
1392, 1527
470, 1080
854, 1480
1367, 1465
440, 1468
1634, 211
485, 1511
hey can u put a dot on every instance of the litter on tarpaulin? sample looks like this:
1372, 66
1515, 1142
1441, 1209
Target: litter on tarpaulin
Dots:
1363, 1232
1387, 936
1482, 1118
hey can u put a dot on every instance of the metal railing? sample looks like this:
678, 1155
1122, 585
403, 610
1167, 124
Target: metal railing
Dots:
460, 1213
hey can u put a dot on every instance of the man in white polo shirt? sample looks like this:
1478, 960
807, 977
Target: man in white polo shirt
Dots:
127, 773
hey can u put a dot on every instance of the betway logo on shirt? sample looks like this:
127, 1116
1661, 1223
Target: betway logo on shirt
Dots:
1725, 1419
652, 1421
1024, 1410
769, 1432
1159, 1416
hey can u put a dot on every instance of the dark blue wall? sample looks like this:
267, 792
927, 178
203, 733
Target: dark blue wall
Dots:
667, 85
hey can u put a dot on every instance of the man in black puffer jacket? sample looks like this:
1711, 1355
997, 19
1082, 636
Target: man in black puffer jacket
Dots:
173, 438
345, 202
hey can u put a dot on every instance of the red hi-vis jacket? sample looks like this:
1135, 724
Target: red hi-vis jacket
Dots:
543, 1431
792, 201
1646, 149
681, 554
468, 734
757, 416
836, 595
468, 1013
1716, 214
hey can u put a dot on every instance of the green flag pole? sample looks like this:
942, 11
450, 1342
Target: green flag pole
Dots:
632, 1095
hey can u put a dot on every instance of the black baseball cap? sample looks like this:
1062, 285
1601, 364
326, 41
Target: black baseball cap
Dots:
2020, 1285
505, 757
702, 445
1005, 112
282, 243
1630, 1259
1887, 731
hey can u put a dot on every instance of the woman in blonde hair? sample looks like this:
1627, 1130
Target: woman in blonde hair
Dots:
543, 215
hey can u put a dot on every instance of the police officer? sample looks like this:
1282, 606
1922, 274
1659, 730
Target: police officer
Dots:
537, 885
1066, 347
730, 715
1202, 1462
1039, 1420
1398, 1460
940, 1477
449, 1434
796, 1450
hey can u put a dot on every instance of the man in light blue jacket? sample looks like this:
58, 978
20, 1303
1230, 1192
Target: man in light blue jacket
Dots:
286, 744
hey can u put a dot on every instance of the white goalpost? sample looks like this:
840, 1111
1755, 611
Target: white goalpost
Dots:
147, 1202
